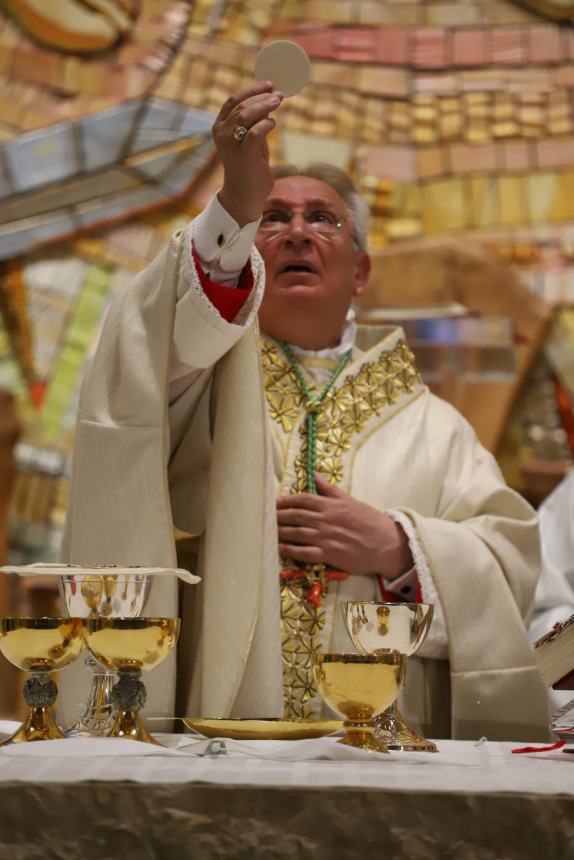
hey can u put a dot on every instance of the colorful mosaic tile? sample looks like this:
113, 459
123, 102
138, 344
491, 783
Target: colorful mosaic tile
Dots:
128, 72
469, 47
509, 46
430, 47
545, 44
105, 167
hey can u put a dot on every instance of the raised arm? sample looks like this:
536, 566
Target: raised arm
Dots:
218, 245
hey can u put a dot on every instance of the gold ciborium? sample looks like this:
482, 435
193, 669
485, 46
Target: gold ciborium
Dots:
360, 686
40, 646
101, 592
376, 628
128, 646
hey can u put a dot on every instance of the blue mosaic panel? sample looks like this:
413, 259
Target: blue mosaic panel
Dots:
41, 157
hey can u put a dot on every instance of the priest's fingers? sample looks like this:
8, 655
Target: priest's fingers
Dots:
247, 114
309, 501
301, 536
240, 96
259, 132
306, 554
298, 517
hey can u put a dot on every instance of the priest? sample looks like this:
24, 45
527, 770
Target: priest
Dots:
234, 403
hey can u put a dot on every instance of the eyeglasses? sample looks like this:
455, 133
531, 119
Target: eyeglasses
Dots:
320, 221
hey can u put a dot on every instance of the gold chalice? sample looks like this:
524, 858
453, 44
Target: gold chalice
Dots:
376, 628
101, 592
128, 646
360, 686
40, 646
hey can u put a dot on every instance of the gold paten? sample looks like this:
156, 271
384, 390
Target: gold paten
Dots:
360, 686
260, 730
376, 628
40, 646
128, 646
345, 412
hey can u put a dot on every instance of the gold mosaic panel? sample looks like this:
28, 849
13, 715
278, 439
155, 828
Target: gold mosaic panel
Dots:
484, 202
561, 207
512, 199
445, 206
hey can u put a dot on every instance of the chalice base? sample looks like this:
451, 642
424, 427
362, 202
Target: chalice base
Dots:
393, 730
362, 736
39, 725
127, 724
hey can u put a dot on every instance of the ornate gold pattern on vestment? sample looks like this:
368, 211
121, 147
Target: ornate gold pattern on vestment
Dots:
301, 621
344, 412
284, 397
347, 409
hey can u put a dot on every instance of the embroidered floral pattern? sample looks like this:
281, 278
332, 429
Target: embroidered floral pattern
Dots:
345, 412
301, 622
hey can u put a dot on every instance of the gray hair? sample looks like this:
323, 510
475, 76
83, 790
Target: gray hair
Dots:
338, 180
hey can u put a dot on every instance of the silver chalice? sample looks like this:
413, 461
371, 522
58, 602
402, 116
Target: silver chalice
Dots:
376, 628
101, 593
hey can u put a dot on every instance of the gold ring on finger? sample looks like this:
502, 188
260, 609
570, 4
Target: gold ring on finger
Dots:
239, 132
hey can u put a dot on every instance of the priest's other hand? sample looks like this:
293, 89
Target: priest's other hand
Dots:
240, 135
338, 530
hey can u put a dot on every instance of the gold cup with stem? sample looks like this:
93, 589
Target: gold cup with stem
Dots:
100, 592
360, 686
377, 628
40, 646
129, 646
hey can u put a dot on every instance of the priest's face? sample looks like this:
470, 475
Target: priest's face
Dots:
312, 271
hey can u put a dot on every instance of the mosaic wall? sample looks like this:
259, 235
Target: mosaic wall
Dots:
455, 118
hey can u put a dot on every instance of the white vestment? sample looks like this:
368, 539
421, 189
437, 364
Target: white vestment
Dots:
554, 596
217, 476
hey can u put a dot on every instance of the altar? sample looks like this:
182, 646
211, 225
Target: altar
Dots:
110, 798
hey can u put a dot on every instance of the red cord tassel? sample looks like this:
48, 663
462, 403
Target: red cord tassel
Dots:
316, 591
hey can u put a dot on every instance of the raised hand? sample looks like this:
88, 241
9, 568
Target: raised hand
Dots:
247, 174
338, 530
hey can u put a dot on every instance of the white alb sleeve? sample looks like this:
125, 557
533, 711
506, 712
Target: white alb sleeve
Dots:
223, 247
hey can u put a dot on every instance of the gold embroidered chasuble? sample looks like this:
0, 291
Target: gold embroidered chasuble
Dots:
373, 387
212, 463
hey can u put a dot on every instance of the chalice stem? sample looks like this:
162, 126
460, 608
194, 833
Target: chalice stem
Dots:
40, 692
129, 697
96, 718
359, 733
390, 718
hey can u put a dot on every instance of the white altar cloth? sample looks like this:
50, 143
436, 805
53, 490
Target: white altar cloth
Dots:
459, 766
